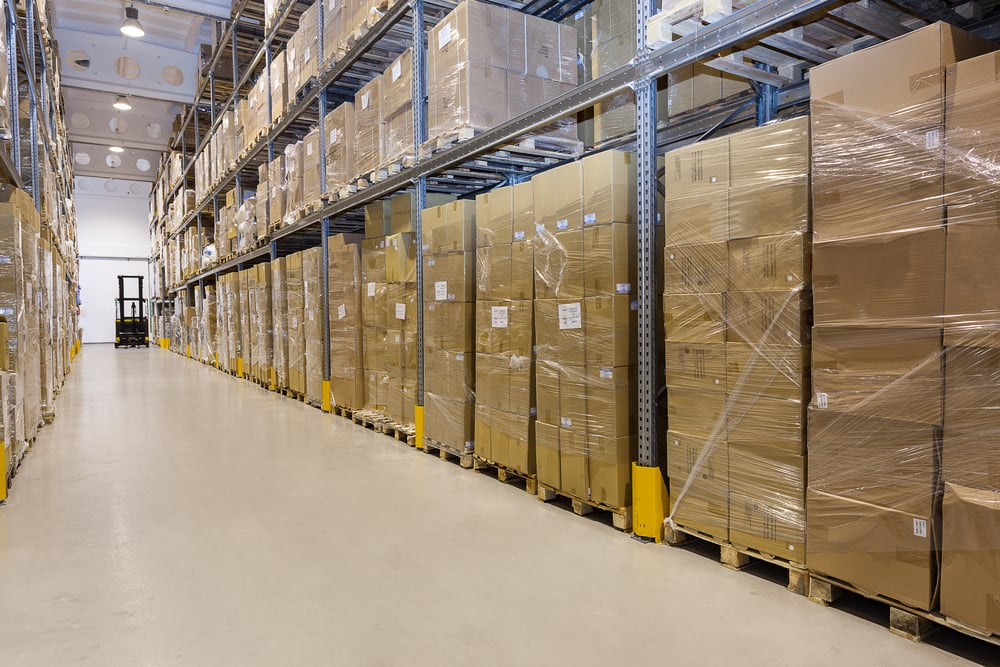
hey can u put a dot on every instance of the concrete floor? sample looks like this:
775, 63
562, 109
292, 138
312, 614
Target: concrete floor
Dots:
175, 516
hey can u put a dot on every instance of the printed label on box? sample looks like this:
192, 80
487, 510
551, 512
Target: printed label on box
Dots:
566, 422
499, 317
518, 236
444, 36
397, 71
539, 228
365, 99
623, 288
822, 400
400, 311
920, 527
533, 412
562, 224
309, 149
371, 289
570, 316
606, 373
441, 290
333, 136
459, 357
590, 218
341, 311
431, 262
933, 139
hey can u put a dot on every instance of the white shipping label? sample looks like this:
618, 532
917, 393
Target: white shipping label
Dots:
431, 262
518, 236
920, 527
5, 259
539, 228
307, 54
562, 224
570, 316
400, 311
459, 357
371, 289
590, 218
606, 373
822, 400
341, 311
933, 139
309, 149
566, 422
397, 71
365, 99
499, 317
333, 136
444, 36
441, 290
623, 288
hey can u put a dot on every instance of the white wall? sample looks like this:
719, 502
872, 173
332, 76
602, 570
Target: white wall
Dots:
113, 223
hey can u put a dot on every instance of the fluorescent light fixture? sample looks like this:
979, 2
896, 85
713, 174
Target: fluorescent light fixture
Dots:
131, 26
116, 149
122, 104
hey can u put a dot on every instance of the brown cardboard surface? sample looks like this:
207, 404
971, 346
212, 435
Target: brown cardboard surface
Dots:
450, 277
610, 324
769, 262
699, 484
767, 505
523, 211
699, 217
698, 169
377, 219
890, 372
559, 264
769, 207
495, 217
769, 317
400, 258
609, 188
609, 259
696, 365
887, 277
766, 370
547, 392
697, 269
971, 422
695, 318
611, 401
558, 198
483, 430
775, 424
609, 470
547, 454
970, 576
559, 330
877, 549
696, 413
493, 272
573, 465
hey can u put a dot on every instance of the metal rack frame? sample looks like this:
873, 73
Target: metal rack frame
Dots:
482, 161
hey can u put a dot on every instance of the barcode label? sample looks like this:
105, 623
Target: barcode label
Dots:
371, 289
562, 224
397, 71
933, 139
341, 311
499, 317
566, 422
518, 236
400, 311
441, 290
570, 316
623, 288
920, 527
444, 36
822, 400
590, 218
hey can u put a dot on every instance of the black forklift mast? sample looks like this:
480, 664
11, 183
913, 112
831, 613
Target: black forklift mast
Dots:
131, 331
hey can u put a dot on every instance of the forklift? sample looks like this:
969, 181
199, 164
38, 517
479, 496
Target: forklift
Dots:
131, 330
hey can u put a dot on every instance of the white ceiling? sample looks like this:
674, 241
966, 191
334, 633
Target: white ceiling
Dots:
159, 71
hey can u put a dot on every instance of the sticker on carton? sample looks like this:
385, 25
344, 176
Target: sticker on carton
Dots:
920, 527
371, 289
822, 400
397, 71
623, 288
460, 357
606, 373
562, 224
309, 149
570, 316
445, 35
499, 317
365, 99
334, 136
400, 311
441, 290
566, 422
518, 236
341, 311
933, 139
590, 219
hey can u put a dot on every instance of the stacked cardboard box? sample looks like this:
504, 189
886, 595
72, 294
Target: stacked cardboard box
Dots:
340, 18
585, 327
505, 363
295, 301
397, 108
373, 306
340, 129
970, 584
347, 379
302, 53
279, 88
208, 319
313, 328
279, 321
879, 283
449, 233
294, 182
487, 64
262, 324
369, 135
400, 353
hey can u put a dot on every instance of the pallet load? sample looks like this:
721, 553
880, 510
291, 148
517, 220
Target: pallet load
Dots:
339, 128
295, 320
449, 233
879, 280
207, 322
397, 110
279, 321
488, 64
400, 354
313, 313
347, 373
262, 325
505, 361
302, 53
369, 132
970, 583
737, 311
585, 330
294, 182
373, 306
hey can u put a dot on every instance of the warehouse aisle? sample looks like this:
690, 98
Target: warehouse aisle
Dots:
174, 516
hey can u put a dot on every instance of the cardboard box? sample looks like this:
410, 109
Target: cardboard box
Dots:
701, 169
610, 326
609, 188
400, 258
770, 262
450, 325
889, 372
886, 462
887, 277
469, 96
494, 217
698, 218
776, 424
611, 401
547, 391
698, 472
397, 85
522, 270
340, 129
523, 212
609, 462
970, 585
373, 258
877, 549
311, 175
767, 505
609, 259
484, 432
493, 272
768, 370
296, 323
369, 139
558, 198
450, 277
769, 317
279, 86
696, 413
971, 422
518, 429
696, 366
696, 269
547, 455
695, 318
574, 469
559, 264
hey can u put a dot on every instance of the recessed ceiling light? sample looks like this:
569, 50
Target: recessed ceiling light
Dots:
116, 149
122, 104
131, 26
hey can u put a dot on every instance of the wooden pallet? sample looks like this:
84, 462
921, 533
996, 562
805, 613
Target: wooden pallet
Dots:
372, 419
466, 459
621, 517
905, 621
736, 557
392, 168
508, 475
538, 145
294, 395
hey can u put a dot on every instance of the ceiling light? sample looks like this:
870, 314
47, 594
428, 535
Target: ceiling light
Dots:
122, 104
131, 26
116, 149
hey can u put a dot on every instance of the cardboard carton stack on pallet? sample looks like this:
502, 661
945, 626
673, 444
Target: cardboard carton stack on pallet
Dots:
295, 322
585, 327
261, 323
449, 232
347, 377
373, 307
505, 360
879, 267
339, 128
313, 328
279, 321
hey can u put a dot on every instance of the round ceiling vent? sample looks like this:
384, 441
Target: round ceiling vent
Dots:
82, 159
142, 164
154, 130
127, 68
118, 125
80, 120
113, 161
172, 76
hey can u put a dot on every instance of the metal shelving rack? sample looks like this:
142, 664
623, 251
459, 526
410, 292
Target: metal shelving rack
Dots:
483, 161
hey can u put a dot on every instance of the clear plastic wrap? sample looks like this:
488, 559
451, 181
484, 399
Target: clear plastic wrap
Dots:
369, 137
263, 361
293, 182
279, 86
302, 52
311, 176
295, 296
277, 203
904, 199
397, 108
207, 325
313, 322
338, 26
737, 316
487, 64
279, 321
347, 377
340, 130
